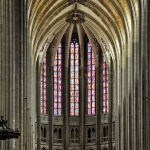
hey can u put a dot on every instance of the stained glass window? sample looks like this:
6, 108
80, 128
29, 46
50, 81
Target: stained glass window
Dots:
90, 81
105, 45
105, 86
43, 87
74, 78
57, 82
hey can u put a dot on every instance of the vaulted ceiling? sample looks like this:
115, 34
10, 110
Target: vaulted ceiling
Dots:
113, 21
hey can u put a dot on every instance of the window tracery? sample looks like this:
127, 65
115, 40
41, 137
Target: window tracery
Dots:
90, 80
74, 92
105, 86
91, 134
74, 78
58, 135
105, 133
58, 82
43, 87
74, 135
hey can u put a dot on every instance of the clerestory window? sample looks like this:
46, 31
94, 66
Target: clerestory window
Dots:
74, 78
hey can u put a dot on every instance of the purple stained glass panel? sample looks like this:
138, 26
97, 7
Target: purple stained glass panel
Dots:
43, 87
57, 82
74, 78
91, 81
105, 86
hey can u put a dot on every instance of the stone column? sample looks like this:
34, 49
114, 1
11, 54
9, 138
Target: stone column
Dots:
148, 79
66, 85
50, 74
82, 104
143, 108
38, 107
66, 101
98, 104
4, 63
118, 103
12, 76
110, 101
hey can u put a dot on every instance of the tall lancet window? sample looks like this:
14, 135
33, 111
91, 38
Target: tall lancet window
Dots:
74, 78
105, 86
90, 81
43, 87
58, 82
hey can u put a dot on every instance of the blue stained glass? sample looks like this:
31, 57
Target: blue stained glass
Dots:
74, 78
105, 86
90, 81
57, 82
43, 87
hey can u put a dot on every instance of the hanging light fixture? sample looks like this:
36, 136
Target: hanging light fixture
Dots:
6, 132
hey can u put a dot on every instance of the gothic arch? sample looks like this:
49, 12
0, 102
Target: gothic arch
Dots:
91, 10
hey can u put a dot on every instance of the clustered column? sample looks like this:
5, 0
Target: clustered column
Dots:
13, 78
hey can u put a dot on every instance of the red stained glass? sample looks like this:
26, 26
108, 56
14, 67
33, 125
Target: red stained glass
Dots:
72, 111
72, 93
43, 87
91, 81
105, 86
89, 111
74, 78
72, 99
57, 82
77, 111
72, 87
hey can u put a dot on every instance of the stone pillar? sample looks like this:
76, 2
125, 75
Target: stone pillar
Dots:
13, 77
118, 103
148, 79
110, 101
49, 81
67, 99
38, 107
82, 104
98, 104
143, 108
67, 87
4, 64
66, 110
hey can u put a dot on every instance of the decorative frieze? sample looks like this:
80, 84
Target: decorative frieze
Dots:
93, 147
58, 148
104, 118
44, 146
90, 135
75, 148
58, 135
90, 120
104, 146
74, 120
44, 119
74, 135
58, 120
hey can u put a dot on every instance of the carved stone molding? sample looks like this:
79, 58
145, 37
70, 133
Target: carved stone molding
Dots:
79, 1
75, 148
58, 148
90, 120
74, 121
103, 146
104, 118
45, 146
93, 147
58, 120
44, 119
